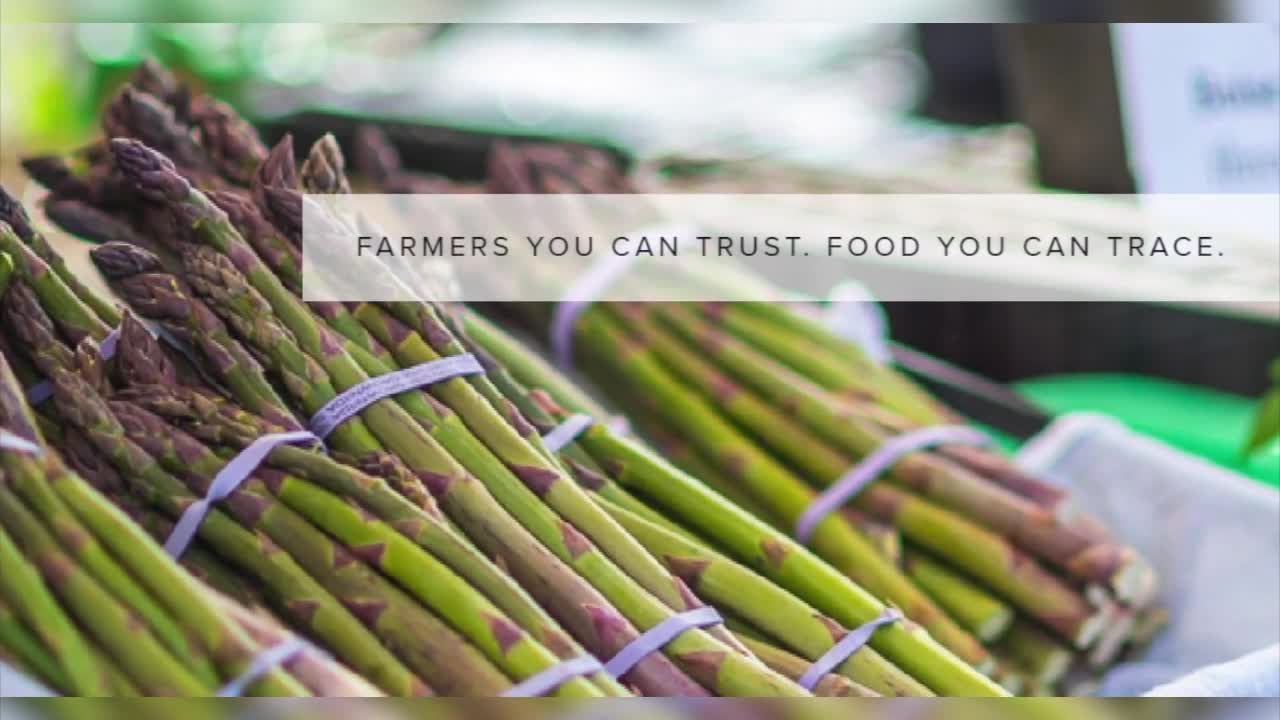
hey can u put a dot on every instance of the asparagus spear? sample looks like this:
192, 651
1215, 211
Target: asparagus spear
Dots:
135, 274
320, 674
985, 616
25, 648
80, 218
144, 659
324, 171
230, 143
705, 658
36, 605
1030, 649
133, 113
31, 486
273, 186
153, 78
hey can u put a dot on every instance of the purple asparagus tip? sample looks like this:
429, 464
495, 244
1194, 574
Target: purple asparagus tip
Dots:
280, 169
117, 260
150, 172
13, 214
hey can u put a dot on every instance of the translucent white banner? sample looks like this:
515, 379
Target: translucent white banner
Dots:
1174, 248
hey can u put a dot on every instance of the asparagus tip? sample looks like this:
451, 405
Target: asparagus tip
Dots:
117, 260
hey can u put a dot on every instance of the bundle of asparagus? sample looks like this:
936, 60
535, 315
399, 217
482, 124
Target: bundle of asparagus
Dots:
91, 605
436, 540
768, 408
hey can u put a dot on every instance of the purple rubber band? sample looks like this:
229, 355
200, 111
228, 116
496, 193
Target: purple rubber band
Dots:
225, 482
266, 661
17, 443
554, 676
43, 390
852, 642
657, 637
618, 425
875, 465
354, 399
573, 426
590, 286
567, 431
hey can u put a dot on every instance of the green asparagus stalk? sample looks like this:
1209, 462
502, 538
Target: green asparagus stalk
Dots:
972, 606
888, 541
24, 647
89, 526
894, 390
320, 674
777, 612
1045, 660
31, 485
528, 368
543, 478
144, 659
36, 605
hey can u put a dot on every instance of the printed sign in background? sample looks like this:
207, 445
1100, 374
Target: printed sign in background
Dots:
1201, 106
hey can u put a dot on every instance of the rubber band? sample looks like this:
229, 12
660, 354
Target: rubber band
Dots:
266, 661
17, 443
225, 482
852, 642
572, 427
354, 399
586, 290
874, 465
657, 637
553, 677
567, 431
43, 390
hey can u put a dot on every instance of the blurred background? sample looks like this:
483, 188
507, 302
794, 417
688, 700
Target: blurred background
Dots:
799, 107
